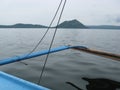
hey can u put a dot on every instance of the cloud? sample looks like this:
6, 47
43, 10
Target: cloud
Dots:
112, 19
118, 19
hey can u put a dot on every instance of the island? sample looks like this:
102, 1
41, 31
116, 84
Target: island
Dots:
74, 24
21, 25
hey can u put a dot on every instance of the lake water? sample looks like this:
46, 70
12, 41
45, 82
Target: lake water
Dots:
64, 66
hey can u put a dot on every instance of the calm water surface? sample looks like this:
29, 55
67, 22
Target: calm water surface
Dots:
64, 66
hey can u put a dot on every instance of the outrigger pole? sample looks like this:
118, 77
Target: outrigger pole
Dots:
61, 48
99, 53
32, 55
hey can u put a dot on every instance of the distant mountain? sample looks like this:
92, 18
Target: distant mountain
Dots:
66, 24
104, 27
20, 25
71, 24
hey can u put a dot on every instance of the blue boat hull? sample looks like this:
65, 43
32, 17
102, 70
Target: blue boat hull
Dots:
9, 82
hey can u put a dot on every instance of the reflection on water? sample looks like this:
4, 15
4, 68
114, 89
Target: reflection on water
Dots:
98, 84
64, 66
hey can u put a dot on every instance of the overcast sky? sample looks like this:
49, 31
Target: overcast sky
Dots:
89, 12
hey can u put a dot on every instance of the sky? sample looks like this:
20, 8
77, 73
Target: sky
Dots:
88, 12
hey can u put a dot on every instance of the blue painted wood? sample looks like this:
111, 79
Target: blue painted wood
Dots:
35, 54
9, 82
32, 55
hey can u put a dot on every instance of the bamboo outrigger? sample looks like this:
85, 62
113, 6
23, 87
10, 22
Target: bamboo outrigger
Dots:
44, 52
99, 53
